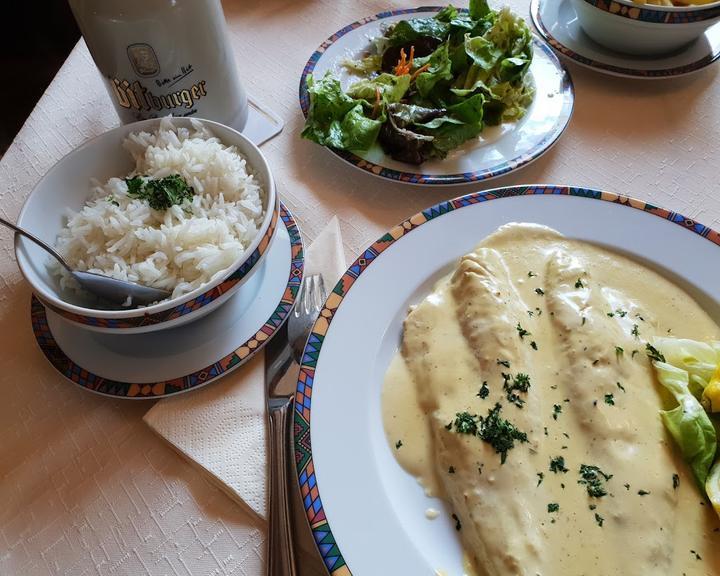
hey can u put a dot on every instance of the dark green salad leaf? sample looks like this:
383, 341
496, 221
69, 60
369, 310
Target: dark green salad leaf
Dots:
441, 80
162, 193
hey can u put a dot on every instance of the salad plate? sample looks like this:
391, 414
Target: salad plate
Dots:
153, 365
498, 149
367, 514
556, 21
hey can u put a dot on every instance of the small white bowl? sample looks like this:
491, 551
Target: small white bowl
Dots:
67, 185
644, 29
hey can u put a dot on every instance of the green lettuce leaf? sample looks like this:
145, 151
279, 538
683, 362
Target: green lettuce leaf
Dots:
336, 120
440, 68
392, 88
463, 122
479, 9
688, 423
406, 31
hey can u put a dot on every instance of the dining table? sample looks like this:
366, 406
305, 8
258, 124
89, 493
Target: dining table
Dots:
86, 488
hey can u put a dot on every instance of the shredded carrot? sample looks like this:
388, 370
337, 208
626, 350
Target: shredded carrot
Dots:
404, 65
419, 71
376, 107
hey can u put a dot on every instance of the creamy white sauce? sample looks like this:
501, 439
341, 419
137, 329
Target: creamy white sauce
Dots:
587, 310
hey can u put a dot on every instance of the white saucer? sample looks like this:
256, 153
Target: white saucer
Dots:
153, 365
556, 21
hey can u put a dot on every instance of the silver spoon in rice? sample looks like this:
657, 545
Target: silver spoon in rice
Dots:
118, 292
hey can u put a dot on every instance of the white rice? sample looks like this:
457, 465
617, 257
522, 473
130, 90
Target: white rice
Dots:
178, 249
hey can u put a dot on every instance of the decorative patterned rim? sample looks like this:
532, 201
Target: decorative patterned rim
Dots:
186, 307
242, 353
324, 539
444, 179
655, 14
610, 68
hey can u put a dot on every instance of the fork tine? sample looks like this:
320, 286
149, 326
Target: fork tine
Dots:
318, 293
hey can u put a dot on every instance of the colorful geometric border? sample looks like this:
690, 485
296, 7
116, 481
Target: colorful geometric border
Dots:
610, 68
656, 14
184, 308
242, 353
444, 179
324, 539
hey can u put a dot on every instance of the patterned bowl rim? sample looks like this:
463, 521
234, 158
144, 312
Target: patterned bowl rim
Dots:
442, 179
622, 71
658, 14
176, 306
325, 542
153, 390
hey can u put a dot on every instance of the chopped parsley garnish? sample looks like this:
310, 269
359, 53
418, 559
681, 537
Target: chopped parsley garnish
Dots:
530, 313
538, 311
503, 363
160, 194
619, 351
533, 345
539, 291
557, 409
499, 433
697, 556
493, 429
553, 507
466, 423
599, 519
557, 465
579, 283
610, 399
592, 506
633, 353
484, 390
643, 492
531, 274
611, 314
653, 353
522, 332
451, 470
676, 481
621, 313
583, 321
514, 384
620, 386
540, 476
398, 444
458, 526
111, 200
594, 480
627, 486
635, 332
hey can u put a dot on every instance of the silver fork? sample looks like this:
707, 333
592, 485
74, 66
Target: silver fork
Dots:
281, 351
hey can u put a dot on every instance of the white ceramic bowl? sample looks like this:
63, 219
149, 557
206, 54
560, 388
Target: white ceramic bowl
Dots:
644, 29
67, 184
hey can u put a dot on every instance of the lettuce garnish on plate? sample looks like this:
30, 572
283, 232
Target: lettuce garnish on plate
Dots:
429, 85
690, 370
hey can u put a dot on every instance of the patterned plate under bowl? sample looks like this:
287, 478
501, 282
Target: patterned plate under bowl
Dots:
180, 359
366, 513
556, 21
500, 149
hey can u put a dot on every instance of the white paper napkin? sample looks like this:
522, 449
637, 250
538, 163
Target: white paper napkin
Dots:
221, 428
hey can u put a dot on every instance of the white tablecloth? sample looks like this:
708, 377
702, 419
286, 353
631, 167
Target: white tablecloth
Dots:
85, 487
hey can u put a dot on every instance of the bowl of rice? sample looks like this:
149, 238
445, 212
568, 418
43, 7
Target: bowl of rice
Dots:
181, 204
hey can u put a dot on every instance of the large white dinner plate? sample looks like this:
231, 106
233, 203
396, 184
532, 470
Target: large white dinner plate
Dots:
499, 150
158, 364
557, 22
366, 513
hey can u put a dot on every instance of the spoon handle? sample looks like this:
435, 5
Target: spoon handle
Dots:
37, 241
